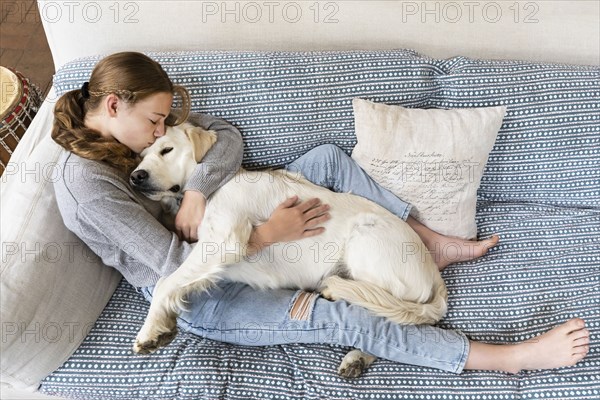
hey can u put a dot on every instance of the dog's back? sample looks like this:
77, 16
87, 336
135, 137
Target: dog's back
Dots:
362, 242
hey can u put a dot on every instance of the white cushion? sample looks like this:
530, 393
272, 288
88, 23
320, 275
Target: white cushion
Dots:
52, 287
432, 159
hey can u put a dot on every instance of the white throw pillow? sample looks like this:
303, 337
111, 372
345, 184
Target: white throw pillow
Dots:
432, 159
52, 287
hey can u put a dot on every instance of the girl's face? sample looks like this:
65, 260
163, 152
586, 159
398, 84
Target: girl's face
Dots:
138, 125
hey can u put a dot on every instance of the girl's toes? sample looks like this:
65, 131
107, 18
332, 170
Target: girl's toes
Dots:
582, 350
575, 324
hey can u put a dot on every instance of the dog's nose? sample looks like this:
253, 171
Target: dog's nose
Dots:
139, 177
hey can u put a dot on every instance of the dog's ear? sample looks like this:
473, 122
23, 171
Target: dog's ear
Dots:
202, 140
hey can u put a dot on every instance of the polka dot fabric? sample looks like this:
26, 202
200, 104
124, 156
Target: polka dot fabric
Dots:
544, 271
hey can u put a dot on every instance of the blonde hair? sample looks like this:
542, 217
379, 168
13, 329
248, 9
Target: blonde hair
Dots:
132, 77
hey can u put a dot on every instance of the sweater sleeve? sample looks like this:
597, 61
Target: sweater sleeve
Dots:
127, 237
223, 159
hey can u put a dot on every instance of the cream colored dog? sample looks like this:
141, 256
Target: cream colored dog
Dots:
366, 255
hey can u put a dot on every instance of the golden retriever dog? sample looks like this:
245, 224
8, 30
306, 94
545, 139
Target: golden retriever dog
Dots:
368, 256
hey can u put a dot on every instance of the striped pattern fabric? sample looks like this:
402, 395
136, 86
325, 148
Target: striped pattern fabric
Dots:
534, 280
287, 103
548, 149
545, 271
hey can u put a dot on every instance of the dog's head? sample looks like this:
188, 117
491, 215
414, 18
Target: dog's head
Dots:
169, 162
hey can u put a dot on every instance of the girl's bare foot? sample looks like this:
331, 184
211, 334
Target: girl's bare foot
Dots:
447, 250
562, 346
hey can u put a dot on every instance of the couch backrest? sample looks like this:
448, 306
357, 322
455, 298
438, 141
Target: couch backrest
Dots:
548, 149
560, 31
285, 103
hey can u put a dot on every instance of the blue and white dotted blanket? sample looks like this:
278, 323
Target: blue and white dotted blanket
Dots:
540, 192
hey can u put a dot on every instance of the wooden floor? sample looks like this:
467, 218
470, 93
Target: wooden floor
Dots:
23, 44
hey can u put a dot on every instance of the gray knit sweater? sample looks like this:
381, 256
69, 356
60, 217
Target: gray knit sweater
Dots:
120, 225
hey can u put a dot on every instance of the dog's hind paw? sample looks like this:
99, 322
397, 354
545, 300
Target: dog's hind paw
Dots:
352, 370
326, 293
151, 345
354, 363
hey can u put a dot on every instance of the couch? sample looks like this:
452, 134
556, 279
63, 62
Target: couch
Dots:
539, 190
63, 313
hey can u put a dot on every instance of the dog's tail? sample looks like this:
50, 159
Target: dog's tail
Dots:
383, 303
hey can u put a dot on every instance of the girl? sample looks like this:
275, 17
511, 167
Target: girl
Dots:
124, 108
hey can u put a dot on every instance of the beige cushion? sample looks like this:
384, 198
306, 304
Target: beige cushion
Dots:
52, 287
432, 159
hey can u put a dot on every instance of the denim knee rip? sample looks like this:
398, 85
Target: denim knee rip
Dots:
302, 305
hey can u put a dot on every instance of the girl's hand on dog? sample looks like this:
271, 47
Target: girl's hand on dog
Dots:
190, 214
289, 221
293, 220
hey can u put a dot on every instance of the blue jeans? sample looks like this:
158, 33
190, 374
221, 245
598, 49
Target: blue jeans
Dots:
235, 313
330, 167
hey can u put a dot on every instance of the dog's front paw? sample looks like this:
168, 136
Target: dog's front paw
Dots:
354, 363
154, 342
